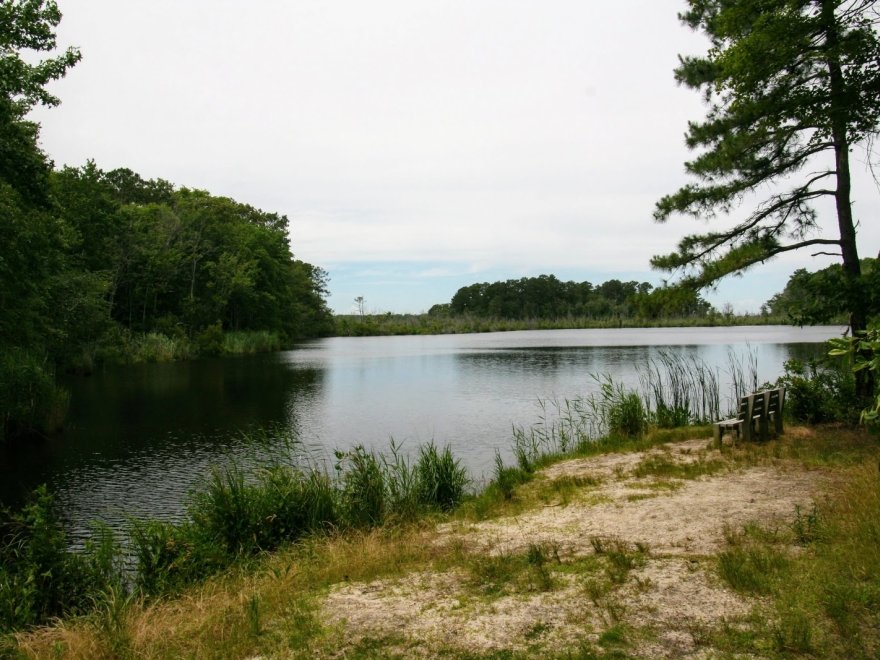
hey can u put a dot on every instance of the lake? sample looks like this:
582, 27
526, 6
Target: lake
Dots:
141, 437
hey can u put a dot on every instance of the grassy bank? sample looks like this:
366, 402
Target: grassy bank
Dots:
809, 582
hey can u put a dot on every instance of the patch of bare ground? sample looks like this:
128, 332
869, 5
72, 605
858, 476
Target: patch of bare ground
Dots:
666, 596
431, 611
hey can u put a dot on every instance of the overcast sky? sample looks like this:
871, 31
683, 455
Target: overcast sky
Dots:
416, 146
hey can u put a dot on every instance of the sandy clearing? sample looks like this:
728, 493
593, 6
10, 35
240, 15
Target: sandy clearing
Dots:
671, 595
690, 520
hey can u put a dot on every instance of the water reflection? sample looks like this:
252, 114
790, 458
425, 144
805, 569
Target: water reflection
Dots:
141, 437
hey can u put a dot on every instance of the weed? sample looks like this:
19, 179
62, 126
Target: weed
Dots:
527, 572
441, 478
752, 569
252, 614
508, 478
806, 527
110, 613
613, 636
663, 466
793, 633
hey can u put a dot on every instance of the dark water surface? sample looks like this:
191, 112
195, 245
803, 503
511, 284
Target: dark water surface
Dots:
139, 438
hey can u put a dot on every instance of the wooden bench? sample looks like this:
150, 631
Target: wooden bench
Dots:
751, 409
759, 413
774, 404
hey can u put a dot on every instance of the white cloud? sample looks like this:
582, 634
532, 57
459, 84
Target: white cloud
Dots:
469, 136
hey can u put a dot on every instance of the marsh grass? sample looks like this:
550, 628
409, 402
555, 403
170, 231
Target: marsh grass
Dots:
424, 324
157, 347
440, 479
238, 514
251, 342
680, 390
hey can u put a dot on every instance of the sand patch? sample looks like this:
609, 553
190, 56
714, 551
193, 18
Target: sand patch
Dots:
670, 595
687, 521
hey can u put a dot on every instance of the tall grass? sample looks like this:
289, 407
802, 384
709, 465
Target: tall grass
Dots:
250, 342
157, 347
39, 578
743, 371
237, 514
675, 391
680, 391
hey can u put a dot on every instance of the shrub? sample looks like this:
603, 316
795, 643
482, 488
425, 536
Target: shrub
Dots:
39, 578
210, 340
30, 401
441, 478
363, 487
864, 351
819, 391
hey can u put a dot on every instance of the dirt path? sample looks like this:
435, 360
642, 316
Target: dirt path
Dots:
630, 545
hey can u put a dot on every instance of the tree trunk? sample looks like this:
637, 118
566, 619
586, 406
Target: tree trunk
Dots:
838, 109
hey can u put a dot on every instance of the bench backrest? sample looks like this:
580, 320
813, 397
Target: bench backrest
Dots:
758, 404
773, 401
751, 405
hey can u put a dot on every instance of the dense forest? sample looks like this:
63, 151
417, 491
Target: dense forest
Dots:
179, 260
101, 265
547, 297
97, 264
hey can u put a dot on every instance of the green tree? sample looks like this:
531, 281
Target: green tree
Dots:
792, 86
33, 239
27, 28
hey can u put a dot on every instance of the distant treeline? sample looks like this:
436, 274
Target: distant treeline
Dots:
546, 297
825, 296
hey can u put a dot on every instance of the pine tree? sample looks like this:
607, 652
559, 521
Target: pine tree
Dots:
791, 87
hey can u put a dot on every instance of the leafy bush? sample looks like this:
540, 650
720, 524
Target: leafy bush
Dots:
819, 391
864, 351
210, 340
30, 401
39, 578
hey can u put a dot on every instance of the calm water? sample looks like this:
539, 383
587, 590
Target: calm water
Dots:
140, 438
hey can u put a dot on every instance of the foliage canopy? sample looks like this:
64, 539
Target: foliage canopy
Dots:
791, 87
